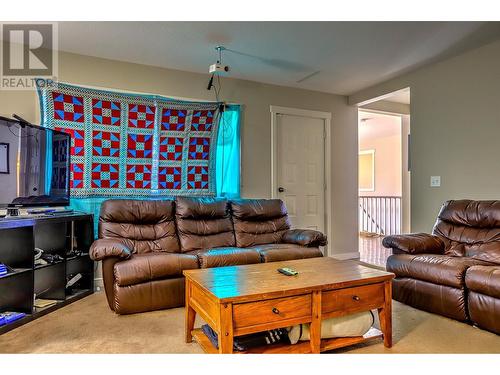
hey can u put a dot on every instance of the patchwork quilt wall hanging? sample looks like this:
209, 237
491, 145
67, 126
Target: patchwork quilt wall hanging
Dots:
131, 144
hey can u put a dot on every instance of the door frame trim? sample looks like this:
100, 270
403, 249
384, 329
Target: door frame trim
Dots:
327, 118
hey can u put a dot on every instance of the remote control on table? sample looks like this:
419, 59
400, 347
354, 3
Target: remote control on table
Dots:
287, 271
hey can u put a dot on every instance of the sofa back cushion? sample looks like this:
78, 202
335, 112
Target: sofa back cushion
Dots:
470, 228
147, 224
259, 221
203, 223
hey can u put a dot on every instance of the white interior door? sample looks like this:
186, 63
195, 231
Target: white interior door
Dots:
301, 169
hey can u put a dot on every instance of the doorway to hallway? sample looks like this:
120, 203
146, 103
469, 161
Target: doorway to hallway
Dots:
384, 175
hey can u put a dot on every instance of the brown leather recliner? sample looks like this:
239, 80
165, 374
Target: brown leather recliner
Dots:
145, 245
455, 271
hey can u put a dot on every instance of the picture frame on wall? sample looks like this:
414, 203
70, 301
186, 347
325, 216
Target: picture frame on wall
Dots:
4, 158
366, 170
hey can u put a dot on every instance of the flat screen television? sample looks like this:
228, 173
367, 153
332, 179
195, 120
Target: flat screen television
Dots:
34, 165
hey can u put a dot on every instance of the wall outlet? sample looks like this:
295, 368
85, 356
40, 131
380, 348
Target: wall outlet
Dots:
435, 181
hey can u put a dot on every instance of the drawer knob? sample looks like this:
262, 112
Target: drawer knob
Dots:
275, 310
355, 298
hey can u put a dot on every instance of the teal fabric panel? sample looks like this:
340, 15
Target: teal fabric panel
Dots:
228, 158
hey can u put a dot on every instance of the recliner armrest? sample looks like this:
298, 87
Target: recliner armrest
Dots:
415, 243
110, 247
304, 237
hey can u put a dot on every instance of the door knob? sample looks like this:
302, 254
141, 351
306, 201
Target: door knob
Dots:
281, 189
275, 310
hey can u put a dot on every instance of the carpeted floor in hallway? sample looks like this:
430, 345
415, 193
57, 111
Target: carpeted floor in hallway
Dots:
88, 326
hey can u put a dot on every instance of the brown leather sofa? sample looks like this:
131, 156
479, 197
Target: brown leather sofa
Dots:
455, 271
145, 245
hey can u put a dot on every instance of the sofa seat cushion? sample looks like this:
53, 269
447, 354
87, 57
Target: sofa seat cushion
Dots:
436, 269
226, 256
281, 252
484, 280
152, 266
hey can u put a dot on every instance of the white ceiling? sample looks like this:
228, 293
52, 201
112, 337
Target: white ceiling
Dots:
349, 56
401, 96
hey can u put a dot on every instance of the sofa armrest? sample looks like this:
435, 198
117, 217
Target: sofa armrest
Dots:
304, 237
415, 243
109, 247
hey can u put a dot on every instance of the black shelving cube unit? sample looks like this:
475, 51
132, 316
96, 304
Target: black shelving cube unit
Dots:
67, 235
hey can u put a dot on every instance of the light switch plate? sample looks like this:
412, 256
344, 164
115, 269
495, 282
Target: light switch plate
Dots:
435, 181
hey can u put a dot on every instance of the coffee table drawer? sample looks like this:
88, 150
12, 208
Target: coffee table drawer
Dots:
355, 299
270, 311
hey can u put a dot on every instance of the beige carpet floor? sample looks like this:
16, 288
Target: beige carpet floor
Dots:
88, 326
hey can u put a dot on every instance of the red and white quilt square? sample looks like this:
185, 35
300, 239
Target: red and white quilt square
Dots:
202, 121
68, 107
106, 112
138, 176
199, 148
171, 148
141, 116
170, 177
105, 143
197, 177
173, 119
140, 146
105, 175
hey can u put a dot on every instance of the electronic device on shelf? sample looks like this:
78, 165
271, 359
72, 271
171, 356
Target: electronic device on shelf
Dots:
42, 258
36, 211
5, 269
38, 257
73, 253
23, 213
10, 316
73, 282
12, 211
52, 258
45, 152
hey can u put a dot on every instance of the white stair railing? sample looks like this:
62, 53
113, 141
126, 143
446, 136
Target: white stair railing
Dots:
380, 215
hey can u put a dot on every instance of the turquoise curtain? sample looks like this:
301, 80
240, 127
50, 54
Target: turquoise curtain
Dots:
228, 154
48, 161
227, 165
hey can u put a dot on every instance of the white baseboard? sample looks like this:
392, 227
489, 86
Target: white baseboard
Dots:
98, 284
345, 256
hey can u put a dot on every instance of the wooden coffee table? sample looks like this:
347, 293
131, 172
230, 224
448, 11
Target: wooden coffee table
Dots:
240, 300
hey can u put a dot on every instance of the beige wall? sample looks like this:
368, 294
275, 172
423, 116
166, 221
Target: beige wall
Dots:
387, 164
381, 132
256, 98
455, 130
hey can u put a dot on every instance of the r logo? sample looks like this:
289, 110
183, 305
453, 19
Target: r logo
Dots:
28, 51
